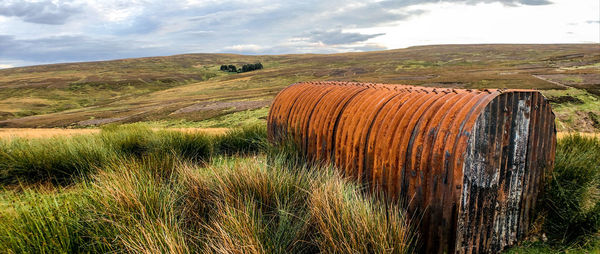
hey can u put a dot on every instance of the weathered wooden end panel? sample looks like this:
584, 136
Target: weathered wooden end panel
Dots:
470, 162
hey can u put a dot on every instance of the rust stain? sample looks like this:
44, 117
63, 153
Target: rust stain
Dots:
469, 162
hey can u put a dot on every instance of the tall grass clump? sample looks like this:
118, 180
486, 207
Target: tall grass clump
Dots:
37, 220
278, 209
62, 160
571, 201
245, 140
158, 204
150, 195
349, 222
138, 140
138, 203
57, 159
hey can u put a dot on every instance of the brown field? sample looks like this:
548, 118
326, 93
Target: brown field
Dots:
191, 88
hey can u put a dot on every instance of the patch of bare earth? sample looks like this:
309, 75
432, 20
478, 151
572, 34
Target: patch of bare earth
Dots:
584, 121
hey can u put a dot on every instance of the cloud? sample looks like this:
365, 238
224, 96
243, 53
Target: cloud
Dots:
44, 12
71, 48
138, 25
246, 48
86, 30
406, 3
336, 37
527, 2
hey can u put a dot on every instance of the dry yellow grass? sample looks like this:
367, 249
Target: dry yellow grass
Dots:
586, 134
216, 131
6, 133
42, 133
9, 133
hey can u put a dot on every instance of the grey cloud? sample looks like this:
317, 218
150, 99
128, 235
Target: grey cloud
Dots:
398, 4
531, 2
44, 12
369, 47
335, 37
298, 16
71, 48
172, 27
302, 48
509, 2
139, 25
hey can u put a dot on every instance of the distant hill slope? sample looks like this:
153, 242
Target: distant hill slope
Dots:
191, 87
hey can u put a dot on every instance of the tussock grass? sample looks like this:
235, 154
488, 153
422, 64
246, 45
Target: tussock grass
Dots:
134, 189
349, 222
41, 221
56, 159
149, 191
159, 204
571, 203
251, 139
62, 160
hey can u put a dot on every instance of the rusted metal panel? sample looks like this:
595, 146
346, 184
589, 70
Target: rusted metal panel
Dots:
470, 163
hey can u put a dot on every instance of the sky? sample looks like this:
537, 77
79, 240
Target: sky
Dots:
53, 31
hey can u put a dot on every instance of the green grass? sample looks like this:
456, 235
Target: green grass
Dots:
237, 119
573, 116
158, 204
62, 160
232, 120
134, 189
569, 209
35, 220
572, 198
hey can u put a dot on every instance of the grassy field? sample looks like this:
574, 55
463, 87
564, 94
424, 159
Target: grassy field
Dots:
169, 154
135, 188
190, 91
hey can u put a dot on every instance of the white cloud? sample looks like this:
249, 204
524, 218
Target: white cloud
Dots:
454, 23
101, 29
245, 48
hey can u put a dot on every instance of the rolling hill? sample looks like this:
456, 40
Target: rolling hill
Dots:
190, 90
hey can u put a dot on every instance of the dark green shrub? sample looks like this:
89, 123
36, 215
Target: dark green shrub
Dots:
232, 68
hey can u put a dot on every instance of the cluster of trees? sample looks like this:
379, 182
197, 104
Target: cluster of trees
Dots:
229, 68
245, 67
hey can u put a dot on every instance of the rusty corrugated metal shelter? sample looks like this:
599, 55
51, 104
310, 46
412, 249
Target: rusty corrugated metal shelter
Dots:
471, 162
